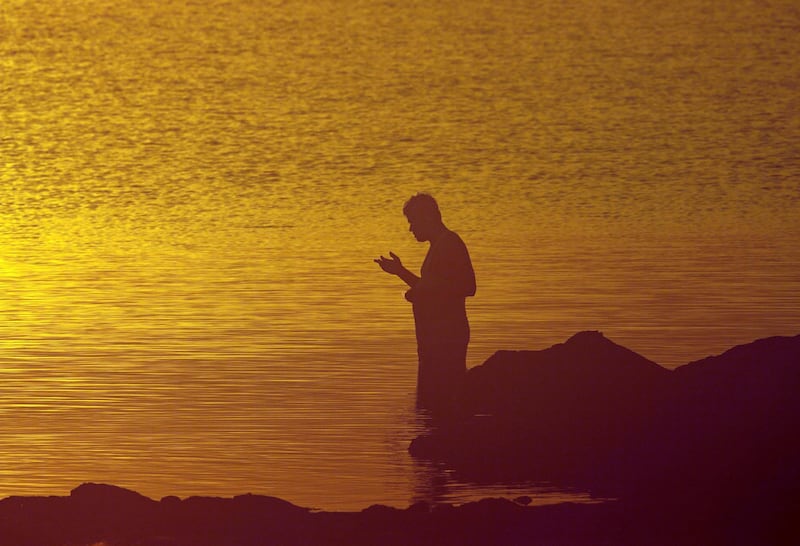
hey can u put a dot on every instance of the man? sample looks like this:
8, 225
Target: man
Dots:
438, 301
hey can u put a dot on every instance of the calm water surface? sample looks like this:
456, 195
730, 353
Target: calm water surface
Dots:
192, 193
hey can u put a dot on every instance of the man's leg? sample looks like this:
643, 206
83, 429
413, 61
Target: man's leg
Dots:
441, 373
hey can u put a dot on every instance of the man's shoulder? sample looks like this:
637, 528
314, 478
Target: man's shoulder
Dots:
449, 234
450, 241
452, 237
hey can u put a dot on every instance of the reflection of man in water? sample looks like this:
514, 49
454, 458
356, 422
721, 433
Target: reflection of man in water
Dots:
438, 300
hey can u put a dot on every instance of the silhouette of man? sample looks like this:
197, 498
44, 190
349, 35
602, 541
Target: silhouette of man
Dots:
438, 299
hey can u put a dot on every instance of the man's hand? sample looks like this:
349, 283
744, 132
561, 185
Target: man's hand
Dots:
394, 266
391, 265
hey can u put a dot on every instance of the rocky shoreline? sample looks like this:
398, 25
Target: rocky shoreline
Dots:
98, 514
706, 454
714, 441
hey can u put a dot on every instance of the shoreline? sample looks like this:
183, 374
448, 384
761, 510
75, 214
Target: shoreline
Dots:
706, 454
112, 516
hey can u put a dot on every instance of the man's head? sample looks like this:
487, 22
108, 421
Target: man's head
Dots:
423, 215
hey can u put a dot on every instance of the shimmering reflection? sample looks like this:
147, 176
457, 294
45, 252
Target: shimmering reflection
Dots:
191, 195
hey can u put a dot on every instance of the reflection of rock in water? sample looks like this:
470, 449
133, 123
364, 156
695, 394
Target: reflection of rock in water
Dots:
719, 434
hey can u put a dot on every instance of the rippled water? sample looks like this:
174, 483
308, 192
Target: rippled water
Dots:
191, 195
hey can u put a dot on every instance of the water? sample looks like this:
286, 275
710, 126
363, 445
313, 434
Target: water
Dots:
191, 195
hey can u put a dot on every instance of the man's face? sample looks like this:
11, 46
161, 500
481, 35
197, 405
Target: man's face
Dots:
419, 227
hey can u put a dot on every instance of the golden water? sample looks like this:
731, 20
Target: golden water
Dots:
192, 193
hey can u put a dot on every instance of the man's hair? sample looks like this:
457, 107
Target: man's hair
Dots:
422, 204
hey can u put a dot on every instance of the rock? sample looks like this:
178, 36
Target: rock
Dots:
103, 496
420, 507
523, 500
263, 503
592, 414
557, 413
380, 510
588, 373
170, 501
727, 434
251, 520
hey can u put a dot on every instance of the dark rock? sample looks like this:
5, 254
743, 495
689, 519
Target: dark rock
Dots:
99, 494
420, 507
523, 500
263, 503
551, 414
170, 501
261, 521
101, 510
380, 510
719, 434
585, 375
726, 440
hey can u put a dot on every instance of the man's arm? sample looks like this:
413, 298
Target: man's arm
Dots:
394, 266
